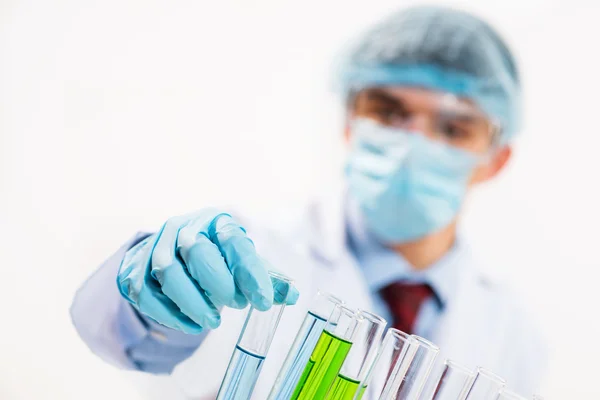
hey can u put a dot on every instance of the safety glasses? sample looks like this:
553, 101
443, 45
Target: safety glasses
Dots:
441, 116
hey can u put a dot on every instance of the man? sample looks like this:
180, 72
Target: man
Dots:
432, 105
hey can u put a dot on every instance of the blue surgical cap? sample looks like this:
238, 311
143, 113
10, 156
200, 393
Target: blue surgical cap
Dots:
441, 49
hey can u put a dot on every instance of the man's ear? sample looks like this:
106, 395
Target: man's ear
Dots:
493, 167
347, 131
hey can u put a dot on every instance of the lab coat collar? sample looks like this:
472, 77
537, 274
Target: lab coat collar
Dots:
329, 219
327, 227
383, 266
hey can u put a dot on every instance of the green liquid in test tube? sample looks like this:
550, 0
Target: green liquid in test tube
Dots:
367, 340
345, 388
322, 368
328, 356
315, 321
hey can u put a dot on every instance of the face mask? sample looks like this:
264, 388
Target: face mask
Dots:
407, 186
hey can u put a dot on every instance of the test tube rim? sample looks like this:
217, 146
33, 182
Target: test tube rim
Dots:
511, 395
331, 297
280, 275
422, 342
391, 337
350, 312
400, 334
371, 317
459, 367
489, 374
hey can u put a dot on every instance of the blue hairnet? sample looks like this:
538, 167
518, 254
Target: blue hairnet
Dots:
441, 49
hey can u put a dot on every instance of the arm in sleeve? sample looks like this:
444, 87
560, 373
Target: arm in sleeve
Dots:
117, 333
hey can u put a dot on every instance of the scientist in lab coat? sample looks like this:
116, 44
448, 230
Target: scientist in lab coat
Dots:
433, 103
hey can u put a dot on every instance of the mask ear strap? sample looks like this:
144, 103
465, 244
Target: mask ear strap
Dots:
496, 132
495, 139
495, 147
351, 100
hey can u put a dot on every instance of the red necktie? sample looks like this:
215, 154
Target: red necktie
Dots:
405, 300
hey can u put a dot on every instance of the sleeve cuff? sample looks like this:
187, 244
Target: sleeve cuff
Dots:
144, 339
132, 328
135, 327
174, 337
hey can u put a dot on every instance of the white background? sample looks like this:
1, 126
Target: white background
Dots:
115, 115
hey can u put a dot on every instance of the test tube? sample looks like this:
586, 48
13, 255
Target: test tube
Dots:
510, 395
319, 312
453, 383
329, 354
360, 358
486, 386
253, 345
407, 380
391, 354
537, 397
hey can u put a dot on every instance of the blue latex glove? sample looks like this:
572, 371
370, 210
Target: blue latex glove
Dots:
196, 264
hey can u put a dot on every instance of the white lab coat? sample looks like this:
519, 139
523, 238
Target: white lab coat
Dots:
483, 326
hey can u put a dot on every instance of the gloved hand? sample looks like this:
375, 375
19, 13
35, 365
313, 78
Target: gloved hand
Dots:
193, 266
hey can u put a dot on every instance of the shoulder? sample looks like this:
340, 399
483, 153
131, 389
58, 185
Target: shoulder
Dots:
506, 303
278, 234
504, 316
514, 316
316, 217
280, 221
497, 295
320, 217
499, 303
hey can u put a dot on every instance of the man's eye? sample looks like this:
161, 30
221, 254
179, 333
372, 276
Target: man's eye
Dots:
389, 114
386, 113
454, 132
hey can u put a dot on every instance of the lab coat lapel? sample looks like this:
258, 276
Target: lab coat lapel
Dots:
466, 331
340, 272
326, 226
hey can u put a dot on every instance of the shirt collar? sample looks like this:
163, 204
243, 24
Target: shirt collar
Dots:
382, 266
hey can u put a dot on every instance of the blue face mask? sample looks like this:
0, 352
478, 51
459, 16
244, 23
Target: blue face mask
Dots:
407, 186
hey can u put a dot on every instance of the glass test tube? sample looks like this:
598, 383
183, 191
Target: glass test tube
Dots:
253, 345
486, 386
391, 354
407, 380
329, 354
321, 309
453, 384
360, 358
509, 395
